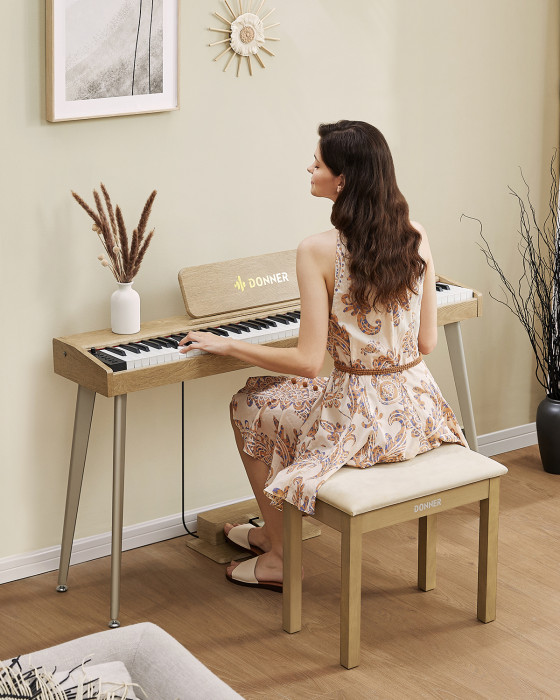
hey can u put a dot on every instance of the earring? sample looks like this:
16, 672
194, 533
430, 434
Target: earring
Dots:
339, 189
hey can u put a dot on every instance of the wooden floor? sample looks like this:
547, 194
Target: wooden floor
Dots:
414, 644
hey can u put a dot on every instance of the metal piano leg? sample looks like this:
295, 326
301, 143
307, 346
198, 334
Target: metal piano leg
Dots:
459, 367
82, 425
119, 439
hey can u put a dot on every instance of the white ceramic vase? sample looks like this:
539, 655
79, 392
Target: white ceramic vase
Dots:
125, 309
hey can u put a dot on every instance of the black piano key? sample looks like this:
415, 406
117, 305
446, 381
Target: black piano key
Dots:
237, 327
141, 346
117, 351
172, 340
297, 313
168, 342
153, 344
130, 348
216, 331
254, 325
177, 337
442, 287
112, 362
292, 315
279, 319
231, 328
163, 341
267, 322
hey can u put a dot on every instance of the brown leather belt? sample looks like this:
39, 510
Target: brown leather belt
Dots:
382, 370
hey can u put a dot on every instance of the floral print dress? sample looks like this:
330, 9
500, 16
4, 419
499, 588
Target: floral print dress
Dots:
304, 430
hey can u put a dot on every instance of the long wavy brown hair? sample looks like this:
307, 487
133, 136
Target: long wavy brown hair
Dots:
371, 214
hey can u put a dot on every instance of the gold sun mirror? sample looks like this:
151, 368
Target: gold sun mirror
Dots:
245, 34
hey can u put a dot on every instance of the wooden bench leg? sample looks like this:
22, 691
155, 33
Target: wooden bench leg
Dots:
291, 593
427, 537
350, 593
488, 553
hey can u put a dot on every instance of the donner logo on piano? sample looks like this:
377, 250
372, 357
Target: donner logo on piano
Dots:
278, 278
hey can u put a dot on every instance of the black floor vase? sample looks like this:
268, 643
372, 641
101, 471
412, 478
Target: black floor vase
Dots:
548, 434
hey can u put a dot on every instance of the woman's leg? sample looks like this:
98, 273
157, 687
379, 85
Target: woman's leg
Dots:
268, 537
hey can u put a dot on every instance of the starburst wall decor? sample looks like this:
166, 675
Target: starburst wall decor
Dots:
245, 34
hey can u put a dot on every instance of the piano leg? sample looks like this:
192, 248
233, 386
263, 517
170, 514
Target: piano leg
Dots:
119, 439
82, 425
459, 368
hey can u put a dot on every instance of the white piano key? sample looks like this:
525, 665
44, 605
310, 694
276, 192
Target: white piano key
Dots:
256, 335
145, 359
159, 356
295, 329
132, 358
453, 295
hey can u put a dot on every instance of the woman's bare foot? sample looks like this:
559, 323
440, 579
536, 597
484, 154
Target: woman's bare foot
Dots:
257, 536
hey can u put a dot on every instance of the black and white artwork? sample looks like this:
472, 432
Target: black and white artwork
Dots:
113, 48
111, 57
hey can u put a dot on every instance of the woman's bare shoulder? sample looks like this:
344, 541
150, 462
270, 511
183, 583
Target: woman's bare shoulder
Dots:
321, 244
419, 228
319, 251
424, 248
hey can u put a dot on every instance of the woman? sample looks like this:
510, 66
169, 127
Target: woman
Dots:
367, 291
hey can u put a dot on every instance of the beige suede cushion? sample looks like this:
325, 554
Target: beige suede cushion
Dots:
356, 491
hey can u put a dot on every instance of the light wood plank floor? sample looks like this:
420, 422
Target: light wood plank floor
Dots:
414, 644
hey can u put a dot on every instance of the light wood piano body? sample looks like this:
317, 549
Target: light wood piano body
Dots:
228, 292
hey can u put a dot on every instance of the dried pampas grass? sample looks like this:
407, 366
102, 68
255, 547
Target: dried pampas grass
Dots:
123, 257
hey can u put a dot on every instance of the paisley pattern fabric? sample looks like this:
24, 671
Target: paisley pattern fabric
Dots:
304, 430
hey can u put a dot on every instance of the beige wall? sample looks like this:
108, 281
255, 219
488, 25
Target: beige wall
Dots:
465, 91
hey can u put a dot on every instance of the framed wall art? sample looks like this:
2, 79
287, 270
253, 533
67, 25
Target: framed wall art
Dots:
111, 57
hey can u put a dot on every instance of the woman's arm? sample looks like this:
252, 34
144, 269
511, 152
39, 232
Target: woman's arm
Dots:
306, 359
427, 334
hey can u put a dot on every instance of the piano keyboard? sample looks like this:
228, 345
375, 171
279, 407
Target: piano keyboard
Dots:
221, 297
451, 294
162, 349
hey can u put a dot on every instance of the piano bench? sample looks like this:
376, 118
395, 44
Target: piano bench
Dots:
354, 501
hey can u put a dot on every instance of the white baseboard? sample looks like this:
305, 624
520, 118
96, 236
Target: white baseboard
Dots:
507, 440
88, 548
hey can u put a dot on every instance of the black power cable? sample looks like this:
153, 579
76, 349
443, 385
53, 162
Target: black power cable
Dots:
183, 460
